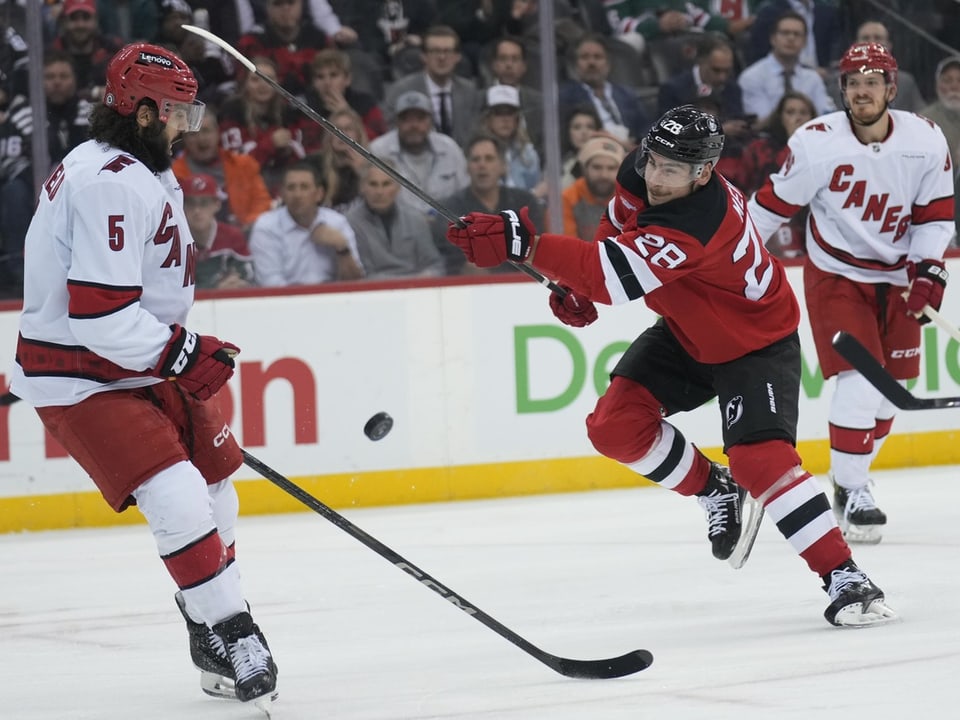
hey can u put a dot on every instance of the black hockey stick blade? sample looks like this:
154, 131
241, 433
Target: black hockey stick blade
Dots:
627, 664
867, 365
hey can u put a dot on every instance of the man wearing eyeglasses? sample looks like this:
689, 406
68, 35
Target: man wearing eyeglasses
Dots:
455, 100
764, 82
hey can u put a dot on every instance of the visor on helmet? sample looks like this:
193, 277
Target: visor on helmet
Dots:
659, 170
185, 117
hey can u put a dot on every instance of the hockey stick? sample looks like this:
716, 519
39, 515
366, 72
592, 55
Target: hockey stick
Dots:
867, 365
944, 324
354, 145
627, 664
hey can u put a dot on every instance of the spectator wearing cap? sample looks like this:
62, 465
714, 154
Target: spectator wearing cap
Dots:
508, 66
222, 256
502, 119
301, 242
393, 239
945, 112
585, 200
431, 160
455, 103
89, 49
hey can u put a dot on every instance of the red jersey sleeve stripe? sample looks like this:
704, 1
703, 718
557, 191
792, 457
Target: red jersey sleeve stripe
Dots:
767, 198
90, 300
939, 209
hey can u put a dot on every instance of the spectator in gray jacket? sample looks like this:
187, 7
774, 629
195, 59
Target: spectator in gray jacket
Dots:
393, 239
430, 160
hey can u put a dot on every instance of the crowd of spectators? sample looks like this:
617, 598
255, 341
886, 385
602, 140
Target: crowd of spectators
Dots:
445, 92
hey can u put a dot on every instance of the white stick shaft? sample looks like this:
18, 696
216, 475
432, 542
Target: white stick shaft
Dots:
223, 45
940, 320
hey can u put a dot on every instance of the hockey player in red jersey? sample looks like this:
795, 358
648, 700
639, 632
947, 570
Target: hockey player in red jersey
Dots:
678, 235
104, 355
879, 184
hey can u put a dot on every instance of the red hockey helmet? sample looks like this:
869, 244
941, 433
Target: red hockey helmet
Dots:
868, 58
140, 71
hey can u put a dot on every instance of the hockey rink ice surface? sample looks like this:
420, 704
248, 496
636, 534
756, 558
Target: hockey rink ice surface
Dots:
88, 627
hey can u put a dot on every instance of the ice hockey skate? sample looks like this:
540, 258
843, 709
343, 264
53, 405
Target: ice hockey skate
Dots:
209, 656
860, 520
854, 600
733, 517
254, 671
217, 673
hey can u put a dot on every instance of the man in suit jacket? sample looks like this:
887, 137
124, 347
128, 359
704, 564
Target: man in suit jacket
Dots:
620, 110
712, 76
456, 101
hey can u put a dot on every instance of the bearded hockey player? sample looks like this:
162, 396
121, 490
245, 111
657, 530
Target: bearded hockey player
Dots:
677, 234
105, 358
879, 183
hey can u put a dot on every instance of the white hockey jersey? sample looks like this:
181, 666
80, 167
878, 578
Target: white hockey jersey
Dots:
872, 206
109, 265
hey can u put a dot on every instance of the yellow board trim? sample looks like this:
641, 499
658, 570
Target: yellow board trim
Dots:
462, 482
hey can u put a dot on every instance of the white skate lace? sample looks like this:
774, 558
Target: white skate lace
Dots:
249, 657
859, 499
841, 579
716, 507
216, 644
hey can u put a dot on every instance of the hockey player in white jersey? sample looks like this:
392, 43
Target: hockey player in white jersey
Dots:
114, 374
879, 183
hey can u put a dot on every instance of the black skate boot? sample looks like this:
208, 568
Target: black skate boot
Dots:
253, 666
860, 520
206, 649
854, 600
721, 500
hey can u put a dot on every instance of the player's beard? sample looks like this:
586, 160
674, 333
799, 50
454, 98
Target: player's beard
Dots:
156, 146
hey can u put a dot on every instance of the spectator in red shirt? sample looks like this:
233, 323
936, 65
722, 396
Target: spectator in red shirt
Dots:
260, 123
90, 50
286, 39
223, 258
330, 92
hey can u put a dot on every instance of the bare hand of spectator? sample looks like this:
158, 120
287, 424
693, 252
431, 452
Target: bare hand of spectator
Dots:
345, 36
327, 237
737, 127
673, 21
233, 281
523, 8
334, 101
738, 26
281, 138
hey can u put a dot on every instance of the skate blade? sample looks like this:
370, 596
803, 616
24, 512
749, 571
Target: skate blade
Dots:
751, 513
264, 703
217, 686
854, 616
862, 534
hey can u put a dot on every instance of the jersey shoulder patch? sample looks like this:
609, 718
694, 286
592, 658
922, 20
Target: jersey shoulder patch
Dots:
118, 163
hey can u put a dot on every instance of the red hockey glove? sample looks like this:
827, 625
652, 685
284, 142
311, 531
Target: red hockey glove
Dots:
489, 240
573, 309
200, 363
928, 280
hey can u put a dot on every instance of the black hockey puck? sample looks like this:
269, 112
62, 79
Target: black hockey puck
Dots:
378, 426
